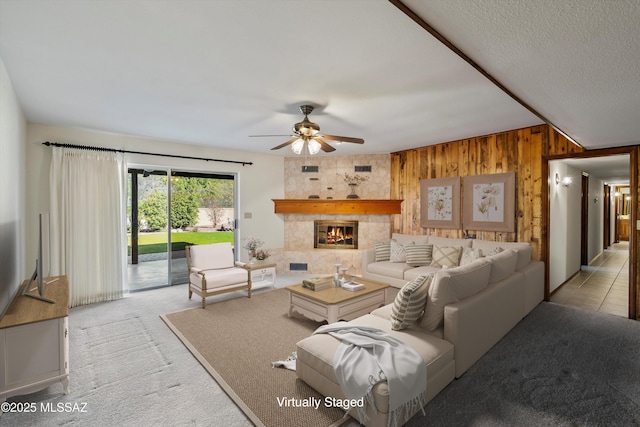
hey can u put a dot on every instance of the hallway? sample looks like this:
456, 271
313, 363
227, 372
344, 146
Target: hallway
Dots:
602, 286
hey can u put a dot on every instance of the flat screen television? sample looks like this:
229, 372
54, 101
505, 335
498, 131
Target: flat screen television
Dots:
37, 282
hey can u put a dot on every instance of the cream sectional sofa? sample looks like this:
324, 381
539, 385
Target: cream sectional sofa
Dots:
468, 310
398, 273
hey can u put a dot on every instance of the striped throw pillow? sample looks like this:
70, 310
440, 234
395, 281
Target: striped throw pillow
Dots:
418, 254
409, 304
382, 251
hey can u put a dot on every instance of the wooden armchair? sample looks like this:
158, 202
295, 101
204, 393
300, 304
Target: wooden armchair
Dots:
213, 271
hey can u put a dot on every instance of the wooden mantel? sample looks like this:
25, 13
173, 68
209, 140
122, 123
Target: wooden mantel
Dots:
337, 206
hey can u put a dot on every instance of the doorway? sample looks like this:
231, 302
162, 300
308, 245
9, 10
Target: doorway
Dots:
585, 268
168, 210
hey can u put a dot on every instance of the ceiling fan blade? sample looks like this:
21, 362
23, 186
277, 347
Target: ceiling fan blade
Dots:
289, 142
324, 146
343, 138
252, 136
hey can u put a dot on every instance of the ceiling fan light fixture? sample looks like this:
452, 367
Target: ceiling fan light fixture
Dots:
306, 136
297, 146
313, 146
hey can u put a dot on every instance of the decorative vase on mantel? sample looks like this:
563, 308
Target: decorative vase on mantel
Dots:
252, 256
353, 181
353, 187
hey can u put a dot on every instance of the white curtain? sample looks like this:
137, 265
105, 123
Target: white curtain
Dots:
86, 196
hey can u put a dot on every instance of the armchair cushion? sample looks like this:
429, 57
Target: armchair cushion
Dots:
213, 256
219, 278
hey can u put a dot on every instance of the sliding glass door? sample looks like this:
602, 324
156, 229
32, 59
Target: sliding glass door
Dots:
168, 210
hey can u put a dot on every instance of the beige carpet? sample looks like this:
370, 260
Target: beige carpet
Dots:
236, 341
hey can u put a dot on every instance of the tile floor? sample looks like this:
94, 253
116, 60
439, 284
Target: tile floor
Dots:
602, 286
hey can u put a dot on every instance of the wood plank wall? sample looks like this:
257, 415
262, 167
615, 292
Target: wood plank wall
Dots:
520, 151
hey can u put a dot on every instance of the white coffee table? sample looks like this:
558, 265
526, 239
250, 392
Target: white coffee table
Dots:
335, 304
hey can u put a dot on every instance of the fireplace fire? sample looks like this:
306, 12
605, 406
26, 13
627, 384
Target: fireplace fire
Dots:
332, 234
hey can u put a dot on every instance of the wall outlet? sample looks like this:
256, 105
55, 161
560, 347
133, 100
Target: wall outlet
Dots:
638, 225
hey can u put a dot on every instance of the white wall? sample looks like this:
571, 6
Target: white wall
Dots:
258, 183
596, 218
564, 224
13, 268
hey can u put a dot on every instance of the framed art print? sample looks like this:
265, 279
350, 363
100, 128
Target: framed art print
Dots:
440, 203
489, 202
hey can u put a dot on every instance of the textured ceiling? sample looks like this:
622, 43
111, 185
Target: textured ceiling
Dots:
574, 61
214, 72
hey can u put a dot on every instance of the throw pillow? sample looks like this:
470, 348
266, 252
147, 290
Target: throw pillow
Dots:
495, 251
398, 253
409, 303
446, 255
382, 251
418, 255
469, 255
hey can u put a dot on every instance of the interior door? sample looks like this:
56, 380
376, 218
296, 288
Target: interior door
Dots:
606, 206
584, 221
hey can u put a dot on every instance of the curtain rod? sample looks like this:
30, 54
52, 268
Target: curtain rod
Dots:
115, 150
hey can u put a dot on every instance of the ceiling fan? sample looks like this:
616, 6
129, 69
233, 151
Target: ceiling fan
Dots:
306, 133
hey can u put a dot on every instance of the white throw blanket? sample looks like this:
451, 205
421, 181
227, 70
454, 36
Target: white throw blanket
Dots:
368, 356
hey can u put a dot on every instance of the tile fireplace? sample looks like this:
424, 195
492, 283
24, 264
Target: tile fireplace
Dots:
335, 234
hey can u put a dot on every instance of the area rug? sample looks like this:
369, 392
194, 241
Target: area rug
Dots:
237, 340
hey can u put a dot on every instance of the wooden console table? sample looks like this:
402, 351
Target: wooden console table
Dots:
34, 341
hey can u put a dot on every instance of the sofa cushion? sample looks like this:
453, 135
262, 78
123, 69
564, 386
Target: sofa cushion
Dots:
446, 256
390, 269
318, 351
412, 273
446, 241
452, 285
409, 303
382, 251
398, 253
419, 254
410, 238
385, 313
503, 265
469, 255
522, 248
